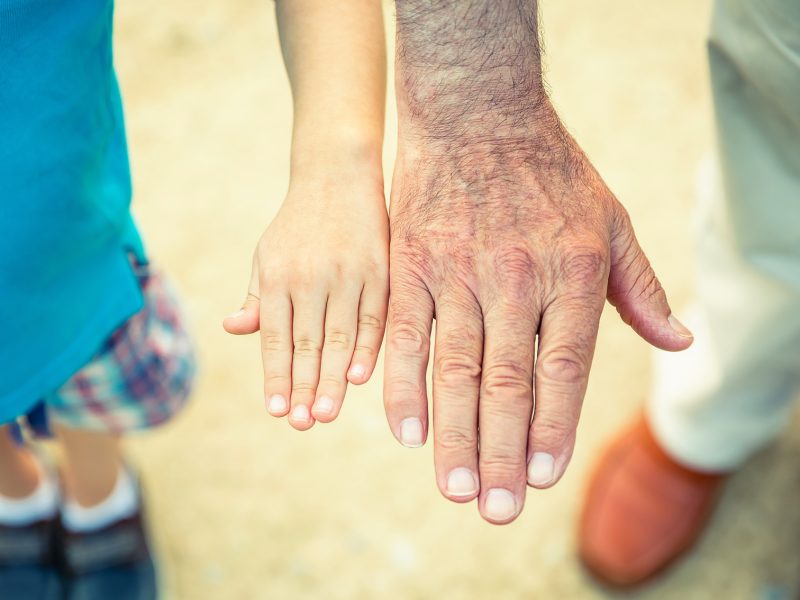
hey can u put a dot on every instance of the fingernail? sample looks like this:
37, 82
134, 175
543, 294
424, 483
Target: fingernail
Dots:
277, 404
238, 313
461, 482
300, 413
358, 371
679, 327
541, 469
323, 405
411, 432
499, 504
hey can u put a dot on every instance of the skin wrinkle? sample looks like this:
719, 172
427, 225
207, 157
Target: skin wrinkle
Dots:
500, 225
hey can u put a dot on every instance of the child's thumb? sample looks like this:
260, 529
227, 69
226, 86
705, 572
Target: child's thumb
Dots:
246, 319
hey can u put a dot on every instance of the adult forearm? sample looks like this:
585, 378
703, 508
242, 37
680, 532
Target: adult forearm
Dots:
468, 68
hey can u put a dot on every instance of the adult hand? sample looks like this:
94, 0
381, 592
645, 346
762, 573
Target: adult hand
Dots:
502, 230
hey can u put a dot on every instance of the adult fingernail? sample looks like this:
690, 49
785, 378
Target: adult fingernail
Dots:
411, 432
461, 482
679, 327
541, 469
358, 371
277, 404
300, 413
323, 405
238, 313
499, 504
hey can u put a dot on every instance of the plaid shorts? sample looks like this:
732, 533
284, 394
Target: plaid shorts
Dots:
141, 376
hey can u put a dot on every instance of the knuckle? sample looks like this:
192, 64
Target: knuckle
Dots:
304, 280
275, 379
330, 381
303, 387
307, 347
458, 367
409, 337
273, 342
268, 279
366, 351
586, 266
563, 365
554, 428
271, 274
404, 391
507, 379
455, 439
367, 321
502, 463
516, 268
336, 339
349, 271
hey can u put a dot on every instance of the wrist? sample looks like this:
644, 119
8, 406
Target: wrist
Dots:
536, 136
343, 153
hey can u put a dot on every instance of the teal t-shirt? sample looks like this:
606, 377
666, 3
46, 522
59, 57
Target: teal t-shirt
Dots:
65, 224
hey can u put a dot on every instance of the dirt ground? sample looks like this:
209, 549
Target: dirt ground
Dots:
245, 507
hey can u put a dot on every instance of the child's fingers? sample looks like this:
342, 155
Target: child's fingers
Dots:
371, 325
246, 319
307, 328
341, 322
276, 349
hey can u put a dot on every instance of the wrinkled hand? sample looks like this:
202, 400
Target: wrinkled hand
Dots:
318, 293
501, 240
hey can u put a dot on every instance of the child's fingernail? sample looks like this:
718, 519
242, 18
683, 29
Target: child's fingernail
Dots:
461, 482
541, 469
500, 504
277, 404
323, 405
300, 413
411, 432
679, 327
358, 371
238, 313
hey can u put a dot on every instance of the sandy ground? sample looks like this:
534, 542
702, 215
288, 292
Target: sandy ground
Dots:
245, 507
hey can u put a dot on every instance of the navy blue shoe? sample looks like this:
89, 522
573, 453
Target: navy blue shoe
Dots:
30, 583
27, 562
121, 544
114, 562
133, 581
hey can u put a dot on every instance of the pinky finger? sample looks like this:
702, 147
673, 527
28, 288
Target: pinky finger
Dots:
371, 325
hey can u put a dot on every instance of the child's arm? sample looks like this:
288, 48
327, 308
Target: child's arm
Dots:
319, 286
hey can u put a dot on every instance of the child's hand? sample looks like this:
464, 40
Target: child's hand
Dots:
318, 293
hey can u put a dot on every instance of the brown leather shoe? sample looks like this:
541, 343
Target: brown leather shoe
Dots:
643, 510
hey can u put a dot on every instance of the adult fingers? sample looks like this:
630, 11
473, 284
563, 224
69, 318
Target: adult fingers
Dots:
506, 403
456, 387
407, 348
567, 335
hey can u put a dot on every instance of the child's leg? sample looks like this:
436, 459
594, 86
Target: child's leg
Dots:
28, 498
19, 474
91, 463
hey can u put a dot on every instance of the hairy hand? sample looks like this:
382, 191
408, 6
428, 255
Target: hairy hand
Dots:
503, 238
318, 293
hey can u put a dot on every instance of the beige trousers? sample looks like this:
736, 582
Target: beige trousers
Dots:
731, 393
